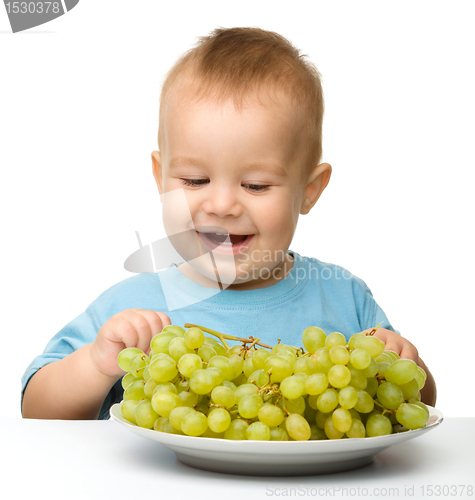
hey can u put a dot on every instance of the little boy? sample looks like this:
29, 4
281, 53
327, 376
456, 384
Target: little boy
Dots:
241, 134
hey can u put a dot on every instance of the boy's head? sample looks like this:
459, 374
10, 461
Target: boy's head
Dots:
241, 132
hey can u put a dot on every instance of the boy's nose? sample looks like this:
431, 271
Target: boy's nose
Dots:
222, 202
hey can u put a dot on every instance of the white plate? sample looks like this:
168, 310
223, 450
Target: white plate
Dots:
276, 458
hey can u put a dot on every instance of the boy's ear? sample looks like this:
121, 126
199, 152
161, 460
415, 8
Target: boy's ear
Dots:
317, 182
157, 170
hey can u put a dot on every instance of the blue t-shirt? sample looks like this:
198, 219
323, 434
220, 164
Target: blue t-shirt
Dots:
314, 293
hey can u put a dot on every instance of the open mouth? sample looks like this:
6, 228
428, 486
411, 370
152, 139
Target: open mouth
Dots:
222, 239
224, 242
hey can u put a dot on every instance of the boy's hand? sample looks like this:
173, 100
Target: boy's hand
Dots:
396, 343
129, 328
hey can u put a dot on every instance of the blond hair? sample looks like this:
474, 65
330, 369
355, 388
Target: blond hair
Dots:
235, 62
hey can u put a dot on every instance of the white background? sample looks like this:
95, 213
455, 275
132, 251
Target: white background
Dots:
79, 117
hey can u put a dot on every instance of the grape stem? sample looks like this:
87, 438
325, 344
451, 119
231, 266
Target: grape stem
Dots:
223, 336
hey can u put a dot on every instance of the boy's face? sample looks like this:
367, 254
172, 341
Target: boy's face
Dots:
241, 171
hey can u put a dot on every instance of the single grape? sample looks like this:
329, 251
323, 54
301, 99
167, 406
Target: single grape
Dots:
288, 356
339, 355
127, 408
365, 402
292, 387
249, 405
378, 425
163, 369
339, 376
401, 371
313, 338
217, 375
280, 368
236, 430
135, 390
194, 338
333, 339
188, 364
360, 359
342, 420
297, 427
316, 383
219, 420
145, 415
412, 416
327, 400
258, 431
223, 396
201, 381
164, 402
194, 424
123, 360
348, 397
357, 429
270, 415
390, 395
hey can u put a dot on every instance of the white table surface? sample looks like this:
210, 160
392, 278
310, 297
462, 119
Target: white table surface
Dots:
57, 459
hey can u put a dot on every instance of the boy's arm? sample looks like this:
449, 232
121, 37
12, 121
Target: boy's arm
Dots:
70, 388
76, 386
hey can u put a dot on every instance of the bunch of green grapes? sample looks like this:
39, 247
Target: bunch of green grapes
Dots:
194, 385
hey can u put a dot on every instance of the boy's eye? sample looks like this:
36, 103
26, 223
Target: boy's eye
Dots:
256, 187
200, 182
194, 182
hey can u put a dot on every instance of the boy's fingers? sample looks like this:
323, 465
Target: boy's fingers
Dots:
123, 330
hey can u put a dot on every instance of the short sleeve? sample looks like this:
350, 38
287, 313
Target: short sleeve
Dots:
371, 315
